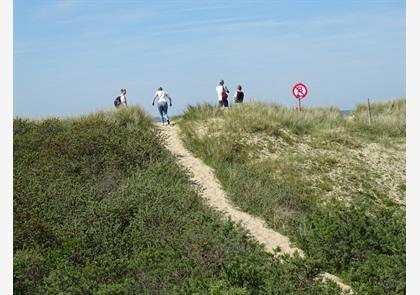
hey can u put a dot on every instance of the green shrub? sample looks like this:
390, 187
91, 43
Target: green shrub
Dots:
100, 207
366, 244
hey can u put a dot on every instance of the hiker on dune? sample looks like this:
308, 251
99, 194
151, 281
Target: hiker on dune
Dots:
238, 97
222, 94
121, 99
124, 97
162, 104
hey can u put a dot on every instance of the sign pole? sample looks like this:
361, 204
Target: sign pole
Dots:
299, 91
369, 114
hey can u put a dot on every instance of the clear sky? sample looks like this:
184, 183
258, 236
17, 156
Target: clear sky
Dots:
72, 56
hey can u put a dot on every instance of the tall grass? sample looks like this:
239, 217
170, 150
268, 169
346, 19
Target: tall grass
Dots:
276, 163
388, 118
100, 207
269, 118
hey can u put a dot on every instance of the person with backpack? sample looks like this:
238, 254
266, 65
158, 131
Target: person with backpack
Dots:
121, 99
238, 97
222, 94
162, 104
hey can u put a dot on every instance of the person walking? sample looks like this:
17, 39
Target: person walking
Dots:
162, 104
121, 99
222, 94
238, 97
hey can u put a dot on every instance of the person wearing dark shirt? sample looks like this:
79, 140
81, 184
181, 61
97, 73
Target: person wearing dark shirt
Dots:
239, 95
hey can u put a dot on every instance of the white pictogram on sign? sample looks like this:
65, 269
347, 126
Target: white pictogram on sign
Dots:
300, 91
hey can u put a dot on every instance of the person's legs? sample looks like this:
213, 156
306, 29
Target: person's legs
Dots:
160, 108
165, 112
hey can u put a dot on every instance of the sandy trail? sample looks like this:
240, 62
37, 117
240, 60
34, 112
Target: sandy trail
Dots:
215, 196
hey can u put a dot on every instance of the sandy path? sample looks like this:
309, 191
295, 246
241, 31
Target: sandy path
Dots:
213, 193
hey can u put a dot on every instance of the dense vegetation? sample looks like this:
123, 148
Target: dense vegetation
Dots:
334, 184
100, 207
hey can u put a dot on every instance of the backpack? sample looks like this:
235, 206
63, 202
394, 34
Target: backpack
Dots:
117, 101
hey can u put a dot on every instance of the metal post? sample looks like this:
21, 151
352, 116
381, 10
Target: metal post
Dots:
369, 114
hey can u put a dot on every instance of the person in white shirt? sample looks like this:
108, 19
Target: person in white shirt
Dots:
222, 94
162, 104
123, 97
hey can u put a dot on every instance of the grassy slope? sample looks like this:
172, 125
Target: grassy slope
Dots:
101, 208
335, 185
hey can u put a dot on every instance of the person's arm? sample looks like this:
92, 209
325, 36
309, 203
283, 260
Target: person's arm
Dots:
154, 98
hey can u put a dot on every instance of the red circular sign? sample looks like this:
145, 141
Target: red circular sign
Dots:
299, 90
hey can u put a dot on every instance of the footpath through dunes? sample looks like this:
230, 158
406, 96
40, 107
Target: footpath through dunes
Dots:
334, 187
101, 207
212, 191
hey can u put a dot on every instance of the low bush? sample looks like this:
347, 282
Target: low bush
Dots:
100, 207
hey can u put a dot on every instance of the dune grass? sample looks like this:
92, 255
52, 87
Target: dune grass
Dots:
100, 207
388, 119
334, 184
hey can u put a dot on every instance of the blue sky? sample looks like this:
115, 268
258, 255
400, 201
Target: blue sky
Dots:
72, 57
